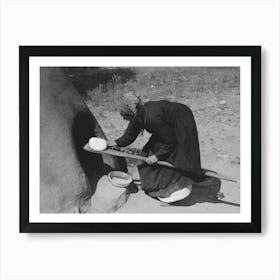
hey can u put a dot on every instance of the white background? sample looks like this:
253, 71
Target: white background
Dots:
139, 256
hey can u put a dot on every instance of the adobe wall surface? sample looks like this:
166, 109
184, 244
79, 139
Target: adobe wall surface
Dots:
68, 174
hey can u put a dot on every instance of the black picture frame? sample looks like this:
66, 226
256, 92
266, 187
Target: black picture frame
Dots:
25, 52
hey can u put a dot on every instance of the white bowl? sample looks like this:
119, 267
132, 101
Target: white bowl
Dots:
177, 195
97, 144
120, 179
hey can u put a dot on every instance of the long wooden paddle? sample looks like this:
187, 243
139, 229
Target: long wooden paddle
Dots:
116, 153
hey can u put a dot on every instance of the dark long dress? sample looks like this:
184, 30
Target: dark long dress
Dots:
174, 139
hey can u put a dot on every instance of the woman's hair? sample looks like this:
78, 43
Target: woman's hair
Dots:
130, 105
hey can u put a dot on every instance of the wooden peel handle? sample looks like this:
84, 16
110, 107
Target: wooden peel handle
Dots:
205, 172
117, 153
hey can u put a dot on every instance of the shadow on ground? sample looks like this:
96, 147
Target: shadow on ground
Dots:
206, 191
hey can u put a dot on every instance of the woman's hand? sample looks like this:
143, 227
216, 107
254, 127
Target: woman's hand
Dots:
152, 159
113, 145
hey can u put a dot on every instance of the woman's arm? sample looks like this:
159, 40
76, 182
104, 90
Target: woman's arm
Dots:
132, 131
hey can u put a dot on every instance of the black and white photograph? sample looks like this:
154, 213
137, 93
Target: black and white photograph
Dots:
140, 139
149, 136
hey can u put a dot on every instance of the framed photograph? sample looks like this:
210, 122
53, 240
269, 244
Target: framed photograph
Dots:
140, 139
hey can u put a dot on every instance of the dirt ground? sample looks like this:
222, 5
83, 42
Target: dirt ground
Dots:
213, 96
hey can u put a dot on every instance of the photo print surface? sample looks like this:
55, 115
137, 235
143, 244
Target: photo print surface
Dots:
171, 139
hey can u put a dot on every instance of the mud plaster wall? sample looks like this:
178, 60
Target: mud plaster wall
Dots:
67, 173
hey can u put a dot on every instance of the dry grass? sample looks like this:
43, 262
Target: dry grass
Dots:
177, 83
